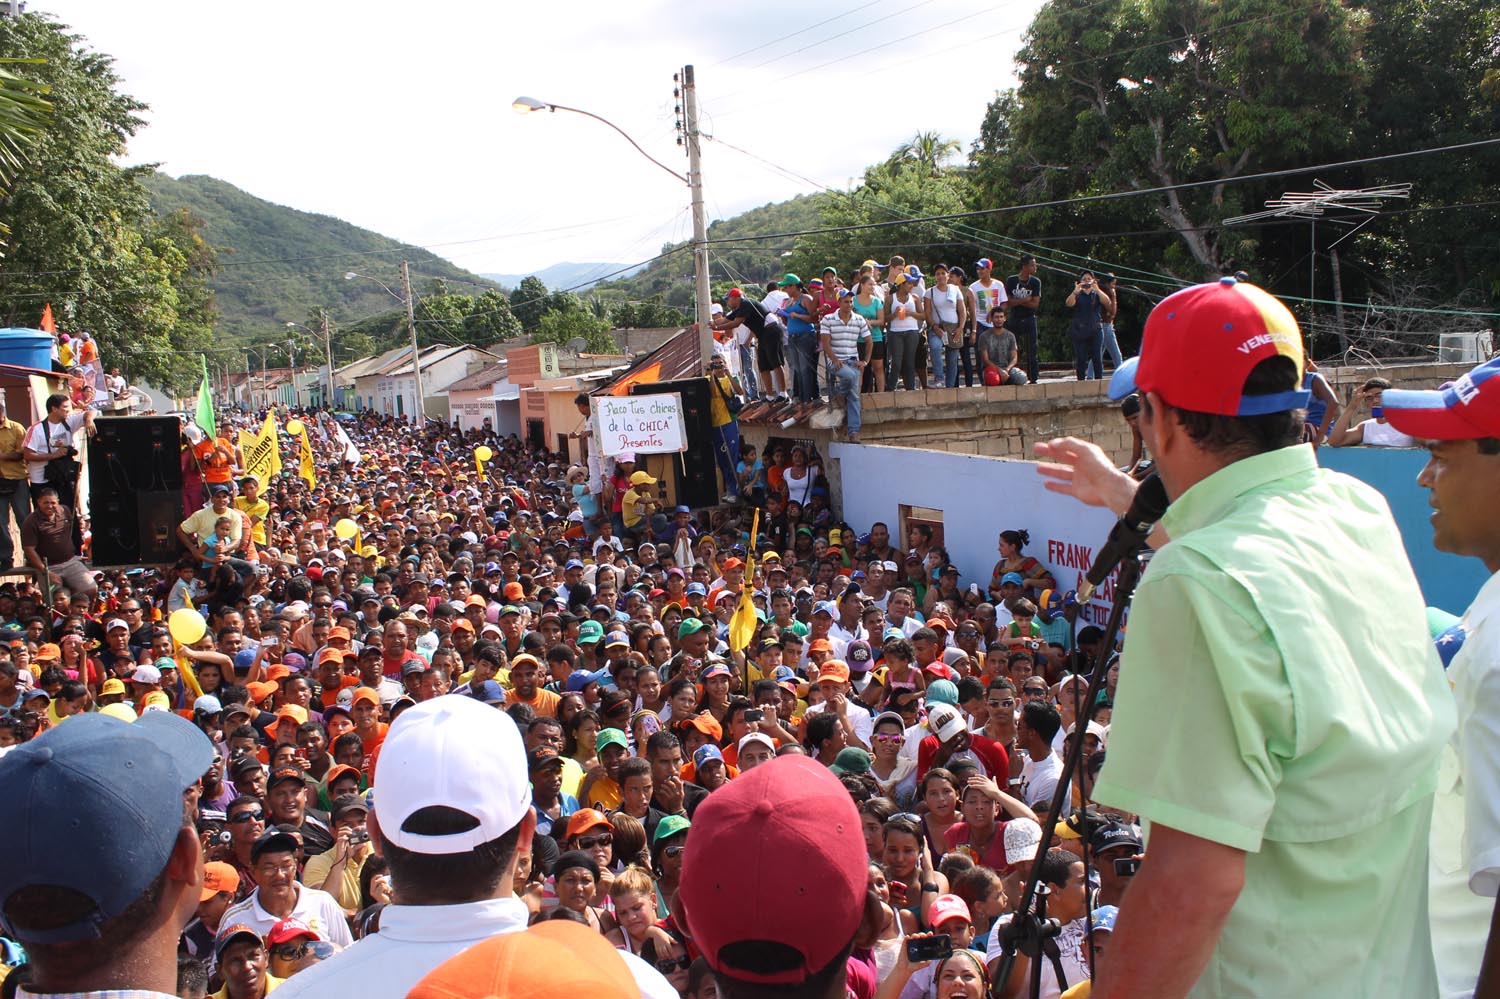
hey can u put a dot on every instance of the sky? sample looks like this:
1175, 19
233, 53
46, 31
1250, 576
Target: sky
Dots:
396, 116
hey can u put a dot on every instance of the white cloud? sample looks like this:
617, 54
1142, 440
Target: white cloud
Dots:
396, 116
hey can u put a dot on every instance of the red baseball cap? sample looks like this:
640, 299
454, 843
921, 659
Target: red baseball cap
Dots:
1201, 343
291, 928
1463, 410
794, 833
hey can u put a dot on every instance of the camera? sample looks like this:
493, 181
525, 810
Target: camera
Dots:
1126, 867
933, 948
358, 836
754, 715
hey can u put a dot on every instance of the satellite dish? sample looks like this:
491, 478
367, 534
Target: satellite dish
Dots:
577, 344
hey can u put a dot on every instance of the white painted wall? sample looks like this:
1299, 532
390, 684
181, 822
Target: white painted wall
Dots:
979, 497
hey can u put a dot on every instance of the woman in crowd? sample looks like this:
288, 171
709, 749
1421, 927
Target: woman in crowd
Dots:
1035, 576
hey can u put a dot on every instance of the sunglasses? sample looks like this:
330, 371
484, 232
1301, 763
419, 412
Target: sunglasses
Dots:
589, 842
1034, 692
1009, 702
243, 817
673, 851
887, 737
672, 964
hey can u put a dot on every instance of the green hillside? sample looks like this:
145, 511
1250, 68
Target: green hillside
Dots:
278, 265
744, 264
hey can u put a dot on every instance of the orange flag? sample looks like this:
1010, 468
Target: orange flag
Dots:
48, 325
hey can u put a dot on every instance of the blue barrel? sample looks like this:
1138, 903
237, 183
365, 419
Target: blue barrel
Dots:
26, 348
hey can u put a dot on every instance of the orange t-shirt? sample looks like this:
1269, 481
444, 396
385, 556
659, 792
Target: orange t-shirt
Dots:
544, 702
216, 457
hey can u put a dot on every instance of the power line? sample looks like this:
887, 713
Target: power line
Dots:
857, 8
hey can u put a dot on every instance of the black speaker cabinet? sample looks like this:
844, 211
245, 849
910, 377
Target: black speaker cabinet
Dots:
135, 489
696, 475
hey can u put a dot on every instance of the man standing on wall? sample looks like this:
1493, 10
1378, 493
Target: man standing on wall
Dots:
1023, 291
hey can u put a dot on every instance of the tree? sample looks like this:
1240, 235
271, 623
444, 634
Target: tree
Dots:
491, 320
561, 327
83, 236
928, 150
24, 113
529, 302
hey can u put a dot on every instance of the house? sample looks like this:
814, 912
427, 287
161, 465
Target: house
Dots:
487, 396
391, 388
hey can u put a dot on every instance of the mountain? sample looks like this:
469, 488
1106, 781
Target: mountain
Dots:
278, 264
753, 262
564, 275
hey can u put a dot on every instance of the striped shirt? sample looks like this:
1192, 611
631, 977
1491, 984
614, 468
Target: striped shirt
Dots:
845, 334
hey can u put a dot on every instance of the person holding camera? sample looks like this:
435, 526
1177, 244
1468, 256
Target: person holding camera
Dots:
51, 458
1085, 328
337, 870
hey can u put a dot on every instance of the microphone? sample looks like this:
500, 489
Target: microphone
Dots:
1128, 534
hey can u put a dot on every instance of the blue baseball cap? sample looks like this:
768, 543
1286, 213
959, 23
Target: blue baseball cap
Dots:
825, 607
579, 679
1012, 577
244, 658
697, 589
489, 692
100, 801
706, 753
573, 563
1104, 917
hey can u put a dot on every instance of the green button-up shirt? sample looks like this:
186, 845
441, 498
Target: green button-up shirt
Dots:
1279, 694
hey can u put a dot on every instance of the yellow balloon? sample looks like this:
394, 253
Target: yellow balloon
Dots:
346, 529
186, 626
483, 453
294, 427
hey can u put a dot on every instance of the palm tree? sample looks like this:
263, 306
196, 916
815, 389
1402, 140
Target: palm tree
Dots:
24, 113
927, 150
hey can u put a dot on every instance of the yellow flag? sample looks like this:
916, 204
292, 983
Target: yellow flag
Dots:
306, 470
742, 624
262, 452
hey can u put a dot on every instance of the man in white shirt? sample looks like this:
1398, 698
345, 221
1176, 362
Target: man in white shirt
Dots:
858, 724
1461, 428
278, 896
1035, 730
989, 293
452, 817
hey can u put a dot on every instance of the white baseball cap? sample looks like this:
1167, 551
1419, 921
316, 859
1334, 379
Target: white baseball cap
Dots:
943, 720
459, 753
760, 737
146, 674
1022, 837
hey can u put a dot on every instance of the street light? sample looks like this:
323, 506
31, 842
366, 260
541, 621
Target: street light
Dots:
694, 181
327, 350
420, 416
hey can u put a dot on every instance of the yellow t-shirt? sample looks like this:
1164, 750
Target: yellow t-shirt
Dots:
11, 436
258, 512
630, 510
316, 873
718, 410
272, 982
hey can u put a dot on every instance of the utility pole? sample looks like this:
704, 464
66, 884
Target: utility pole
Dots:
328, 350
291, 370
700, 225
416, 360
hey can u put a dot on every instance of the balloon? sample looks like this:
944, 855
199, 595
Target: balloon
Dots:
186, 626
294, 427
483, 453
991, 375
346, 529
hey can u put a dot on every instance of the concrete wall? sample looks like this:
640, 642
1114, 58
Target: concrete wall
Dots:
1007, 421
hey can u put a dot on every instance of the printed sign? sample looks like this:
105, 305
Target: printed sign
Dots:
645, 424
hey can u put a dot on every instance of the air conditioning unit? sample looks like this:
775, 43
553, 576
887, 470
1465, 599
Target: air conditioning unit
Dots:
1465, 348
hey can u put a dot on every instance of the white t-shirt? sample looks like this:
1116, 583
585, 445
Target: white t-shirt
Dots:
986, 299
1377, 434
1041, 779
862, 721
1073, 954
773, 301
1464, 859
315, 907
944, 303
895, 323
47, 436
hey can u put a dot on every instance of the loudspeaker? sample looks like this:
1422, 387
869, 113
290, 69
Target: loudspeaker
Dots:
135, 489
695, 478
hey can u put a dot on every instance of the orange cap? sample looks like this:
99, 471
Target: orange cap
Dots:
260, 690
463, 624
820, 645
834, 669
295, 712
585, 819
708, 725
278, 672
476, 601
551, 960
218, 876
339, 631
47, 650
365, 694
335, 772
330, 655
514, 592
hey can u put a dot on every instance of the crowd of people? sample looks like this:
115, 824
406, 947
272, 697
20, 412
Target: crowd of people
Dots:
396, 724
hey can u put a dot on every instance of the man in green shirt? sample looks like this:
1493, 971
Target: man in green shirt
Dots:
1280, 710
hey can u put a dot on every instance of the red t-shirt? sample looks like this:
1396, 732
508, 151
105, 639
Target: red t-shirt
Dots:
994, 854
992, 755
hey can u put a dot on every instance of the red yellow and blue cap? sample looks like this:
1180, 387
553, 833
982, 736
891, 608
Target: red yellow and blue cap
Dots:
1201, 343
1466, 409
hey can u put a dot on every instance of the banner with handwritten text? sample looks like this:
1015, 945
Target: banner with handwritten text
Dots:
645, 424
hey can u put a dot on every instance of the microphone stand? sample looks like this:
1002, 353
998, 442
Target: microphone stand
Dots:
1028, 931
